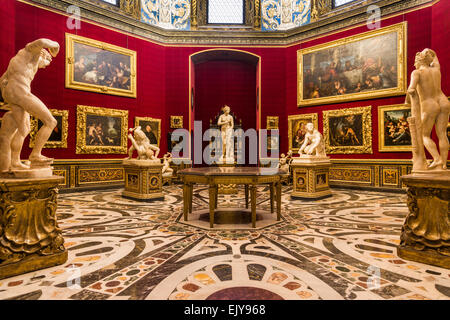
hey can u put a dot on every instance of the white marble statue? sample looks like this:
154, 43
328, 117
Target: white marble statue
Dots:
313, 144
15, 90
285, 161
226, 124
167, 171
429, 108
141, 144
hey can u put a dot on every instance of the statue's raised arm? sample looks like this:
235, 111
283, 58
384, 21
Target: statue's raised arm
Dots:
37, 46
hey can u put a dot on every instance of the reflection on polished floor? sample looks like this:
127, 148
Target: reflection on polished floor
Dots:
343, 247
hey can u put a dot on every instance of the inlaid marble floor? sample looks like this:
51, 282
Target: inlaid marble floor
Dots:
343, 247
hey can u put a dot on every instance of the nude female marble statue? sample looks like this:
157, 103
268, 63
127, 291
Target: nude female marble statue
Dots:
313, 142
226, 124
16, 92
431, 106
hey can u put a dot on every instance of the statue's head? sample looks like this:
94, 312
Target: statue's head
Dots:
423, 58
310, 127
44, 59
226, 109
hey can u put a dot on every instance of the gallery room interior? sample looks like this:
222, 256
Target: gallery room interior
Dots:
224, 150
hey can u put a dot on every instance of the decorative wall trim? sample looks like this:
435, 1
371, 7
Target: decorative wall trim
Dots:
92, 13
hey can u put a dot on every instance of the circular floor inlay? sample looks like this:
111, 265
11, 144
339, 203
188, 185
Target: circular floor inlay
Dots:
244, 293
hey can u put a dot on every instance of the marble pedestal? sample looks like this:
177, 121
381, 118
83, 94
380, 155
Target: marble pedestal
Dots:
310, 177
226, 188
30, 238
143, 180
425, 234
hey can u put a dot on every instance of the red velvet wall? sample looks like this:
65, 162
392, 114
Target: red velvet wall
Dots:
163, 73
420, 36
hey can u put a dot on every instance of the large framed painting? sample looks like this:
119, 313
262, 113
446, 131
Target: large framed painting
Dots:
58, 138
348, 131
151, 128
101, 130
297, 129
393, 127
100, 67
365, 66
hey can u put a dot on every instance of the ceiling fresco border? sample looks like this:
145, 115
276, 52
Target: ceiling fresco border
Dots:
327, 23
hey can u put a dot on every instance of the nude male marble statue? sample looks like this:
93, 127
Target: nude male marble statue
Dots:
16, 93
141, 144
313, 142
429, 108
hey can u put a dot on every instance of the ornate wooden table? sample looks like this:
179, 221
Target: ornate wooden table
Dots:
248, 176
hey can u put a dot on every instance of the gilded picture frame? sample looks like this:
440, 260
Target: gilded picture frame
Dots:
58, 138
272, 122
100, 67
149, 126
348, 131
101, 130
393, 128
176, 122
297, 129
380, 70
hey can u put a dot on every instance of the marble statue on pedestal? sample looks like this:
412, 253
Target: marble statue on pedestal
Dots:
141, 144
167, 171
285, 161
429, 108
313, 143
226, 124
15, 91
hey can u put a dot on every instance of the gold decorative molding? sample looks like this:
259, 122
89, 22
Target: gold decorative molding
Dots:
131, 7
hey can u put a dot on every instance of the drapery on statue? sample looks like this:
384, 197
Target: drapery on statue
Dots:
313, 142
141, 144
429, 107
226, 124
15, 91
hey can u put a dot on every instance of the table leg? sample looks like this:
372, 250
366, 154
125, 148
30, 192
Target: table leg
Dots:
278, 200
217, 195
272, 189
191, 196
185, 201
212, 205
253, 201
246, 196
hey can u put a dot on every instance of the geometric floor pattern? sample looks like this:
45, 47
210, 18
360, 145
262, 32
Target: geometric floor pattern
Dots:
342, 247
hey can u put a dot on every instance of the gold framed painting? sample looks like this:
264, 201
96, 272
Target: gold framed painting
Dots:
297, 129
348, 131
364, 66
58, 138
393, 128
272, 122
176, 122
151, 128
273, 142
100, 67
101, 130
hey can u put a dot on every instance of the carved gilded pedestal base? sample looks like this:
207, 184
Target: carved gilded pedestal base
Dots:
310, 178
227, 188
143, 180
425, 234
30, 238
